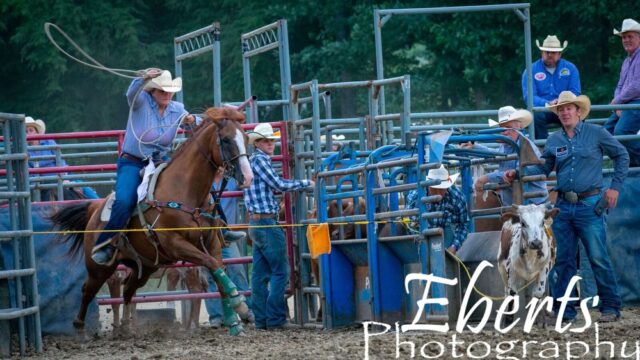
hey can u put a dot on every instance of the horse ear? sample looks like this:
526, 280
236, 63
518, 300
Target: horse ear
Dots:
233, 114
551, 213
510, 215
215, 114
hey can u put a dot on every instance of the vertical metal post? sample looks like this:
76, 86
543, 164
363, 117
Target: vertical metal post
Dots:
406, 111
246, 75
217, 81
377, 35
177, 51
529, 75
285, 67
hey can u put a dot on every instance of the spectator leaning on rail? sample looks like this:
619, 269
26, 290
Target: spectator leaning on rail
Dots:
270, 261
513, 121
551, 76
35, 127
576, 154
153, 124
237, 274
627, 122
455, 218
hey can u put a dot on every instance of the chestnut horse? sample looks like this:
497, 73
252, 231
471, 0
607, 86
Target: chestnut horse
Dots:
182, 203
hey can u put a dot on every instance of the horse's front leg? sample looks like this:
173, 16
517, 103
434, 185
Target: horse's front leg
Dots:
232, 300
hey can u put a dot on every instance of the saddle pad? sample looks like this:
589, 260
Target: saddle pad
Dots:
106, 210
144, 185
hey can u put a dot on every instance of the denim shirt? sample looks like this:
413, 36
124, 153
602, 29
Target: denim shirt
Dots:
497, 176
148, 126
578, 160
547, 86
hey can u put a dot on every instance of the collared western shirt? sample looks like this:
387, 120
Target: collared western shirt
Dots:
628, 88
259, 197
578, 160
547, 86
145, 123
454, 209
34, 154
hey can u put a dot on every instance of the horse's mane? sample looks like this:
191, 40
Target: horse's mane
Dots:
212, 116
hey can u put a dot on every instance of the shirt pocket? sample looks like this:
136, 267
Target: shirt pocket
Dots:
590, 154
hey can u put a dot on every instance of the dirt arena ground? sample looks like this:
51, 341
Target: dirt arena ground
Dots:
175, 343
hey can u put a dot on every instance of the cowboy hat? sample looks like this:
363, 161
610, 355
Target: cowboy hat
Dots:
340, 137
524, 117
263, 131
165, 83
446, 180
567, 97
551, 44
38, 124
627, 25
503, 115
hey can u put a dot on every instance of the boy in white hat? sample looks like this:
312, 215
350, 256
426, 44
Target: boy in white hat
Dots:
455, 218
551, 76
627, 122
270, 261
513, 121
576, 154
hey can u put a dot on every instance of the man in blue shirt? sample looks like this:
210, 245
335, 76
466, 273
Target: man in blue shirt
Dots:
270, 261
576, 153
551, 76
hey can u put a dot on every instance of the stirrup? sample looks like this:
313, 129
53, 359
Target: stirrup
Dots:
103, 244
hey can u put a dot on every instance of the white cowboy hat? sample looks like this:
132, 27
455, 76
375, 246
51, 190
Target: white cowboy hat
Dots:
524, 117
627, 25
552, 44
263, 131
340, 137
503, 115
165, 83
443, 175
567, 97
38, 124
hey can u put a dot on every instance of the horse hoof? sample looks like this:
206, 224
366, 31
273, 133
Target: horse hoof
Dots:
237, 330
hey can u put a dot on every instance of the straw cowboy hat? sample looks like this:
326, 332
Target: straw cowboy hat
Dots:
628, 25
38, 124
263, 131
443, 175
552, 44
340, 137
165, 83
503, 115
567, 97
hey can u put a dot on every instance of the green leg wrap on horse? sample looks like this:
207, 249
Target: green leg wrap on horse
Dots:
231, 318
228, 287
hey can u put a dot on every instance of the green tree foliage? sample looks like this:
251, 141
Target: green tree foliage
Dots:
456, 61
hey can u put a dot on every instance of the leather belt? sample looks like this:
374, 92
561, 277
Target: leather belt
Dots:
262, 216
130, 157
573, 197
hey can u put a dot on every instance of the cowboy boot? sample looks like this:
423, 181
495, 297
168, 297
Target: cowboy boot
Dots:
103, 253
236, 300
231, 319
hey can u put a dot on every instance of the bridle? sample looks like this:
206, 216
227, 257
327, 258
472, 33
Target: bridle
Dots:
227, 162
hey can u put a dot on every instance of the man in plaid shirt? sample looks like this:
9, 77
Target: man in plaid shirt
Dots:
270, 261
455, 218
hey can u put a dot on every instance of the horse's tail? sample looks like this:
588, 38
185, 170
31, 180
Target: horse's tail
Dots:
72, 218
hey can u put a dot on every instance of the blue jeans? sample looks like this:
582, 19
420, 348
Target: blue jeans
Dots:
627, 124
127, 180
237, 274
542, 121
270, 274
579, 221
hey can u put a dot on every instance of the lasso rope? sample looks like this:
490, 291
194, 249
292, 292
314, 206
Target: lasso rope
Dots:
95, 64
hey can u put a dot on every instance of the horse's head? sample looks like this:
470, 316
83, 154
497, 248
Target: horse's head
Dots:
232, 142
